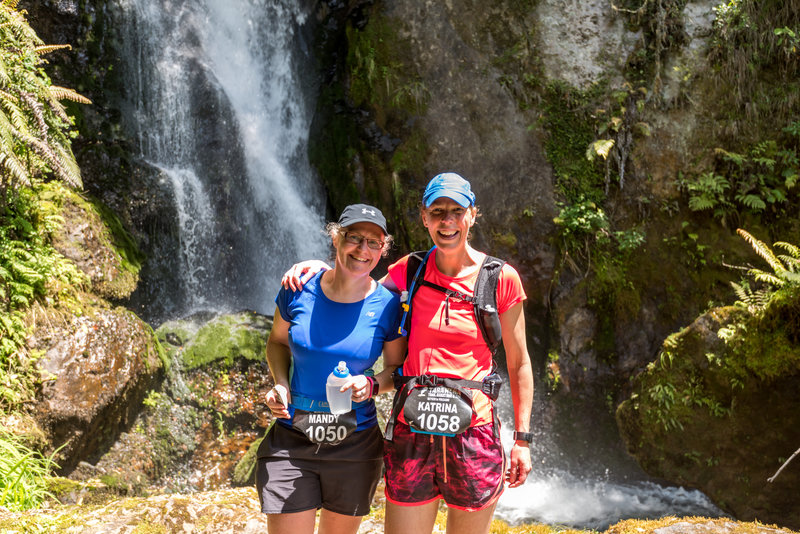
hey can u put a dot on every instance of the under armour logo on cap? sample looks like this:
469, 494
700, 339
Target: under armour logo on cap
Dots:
356, 213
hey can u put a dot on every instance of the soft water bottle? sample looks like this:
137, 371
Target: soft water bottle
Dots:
339, 401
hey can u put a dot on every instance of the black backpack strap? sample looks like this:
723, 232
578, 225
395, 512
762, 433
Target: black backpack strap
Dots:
415, 273
486, 314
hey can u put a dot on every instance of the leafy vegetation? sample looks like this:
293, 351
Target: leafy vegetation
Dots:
22, 474
34, 147
760, 336
34, 134
754, 51
30, 269
377, 77
761, 181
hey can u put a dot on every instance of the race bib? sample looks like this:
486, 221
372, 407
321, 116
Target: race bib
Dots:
323, 427
437, 410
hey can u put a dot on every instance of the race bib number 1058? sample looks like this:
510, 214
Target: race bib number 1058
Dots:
437, 410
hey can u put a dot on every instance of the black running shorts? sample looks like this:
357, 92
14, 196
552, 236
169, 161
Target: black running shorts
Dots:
295, 475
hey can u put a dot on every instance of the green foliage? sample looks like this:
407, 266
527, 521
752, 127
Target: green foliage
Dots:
616, 133
785, 271
34, 144
754, 53
23, 474
569, 120
762, 180
34, 126
30, 269
588, 243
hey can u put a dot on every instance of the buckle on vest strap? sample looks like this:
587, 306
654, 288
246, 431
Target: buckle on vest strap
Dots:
429, 380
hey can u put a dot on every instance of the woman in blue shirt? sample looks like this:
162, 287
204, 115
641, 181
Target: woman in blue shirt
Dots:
310, 458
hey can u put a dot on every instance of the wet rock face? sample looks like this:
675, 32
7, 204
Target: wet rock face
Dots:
96, 369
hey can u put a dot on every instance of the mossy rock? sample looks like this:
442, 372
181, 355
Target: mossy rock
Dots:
96, 241
698, 415
198, 342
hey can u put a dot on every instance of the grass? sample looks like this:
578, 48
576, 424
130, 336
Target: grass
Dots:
23, 474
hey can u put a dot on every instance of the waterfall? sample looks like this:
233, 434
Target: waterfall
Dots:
582, 477
219, 94
219, 100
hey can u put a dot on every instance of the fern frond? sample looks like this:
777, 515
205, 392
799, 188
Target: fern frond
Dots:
752, 301
701, 203
741, 293
16, 168
5, 79
792, 264
37, 109
46, 49
64, 93
762, 250
767, 278
19, 26
794, 250
738, 159
11, 3
16, 117
69, 166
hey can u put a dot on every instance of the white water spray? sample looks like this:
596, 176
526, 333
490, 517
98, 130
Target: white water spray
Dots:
220, 103
591, 490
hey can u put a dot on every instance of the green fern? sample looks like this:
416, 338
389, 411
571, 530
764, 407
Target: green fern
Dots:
33, 122
785, 272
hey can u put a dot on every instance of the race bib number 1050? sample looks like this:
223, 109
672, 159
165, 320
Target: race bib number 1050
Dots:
325, 428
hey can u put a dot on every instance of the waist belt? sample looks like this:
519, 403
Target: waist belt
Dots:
490, 386
311, 404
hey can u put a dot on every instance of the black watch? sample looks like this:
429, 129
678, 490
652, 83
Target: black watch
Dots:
523, 436
375, 387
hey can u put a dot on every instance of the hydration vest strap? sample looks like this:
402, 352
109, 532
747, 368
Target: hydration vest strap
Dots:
411, 287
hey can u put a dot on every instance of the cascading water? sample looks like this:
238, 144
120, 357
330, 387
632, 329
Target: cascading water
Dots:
582, 476
219, 94
219, 100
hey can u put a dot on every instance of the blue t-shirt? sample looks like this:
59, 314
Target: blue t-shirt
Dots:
323, 332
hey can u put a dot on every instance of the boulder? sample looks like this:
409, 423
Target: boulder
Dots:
96, 366
196, 425
718, 411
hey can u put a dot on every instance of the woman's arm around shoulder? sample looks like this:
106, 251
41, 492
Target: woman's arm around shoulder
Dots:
300, 273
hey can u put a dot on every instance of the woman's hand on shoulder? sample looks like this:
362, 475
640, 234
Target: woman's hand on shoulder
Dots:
300, 273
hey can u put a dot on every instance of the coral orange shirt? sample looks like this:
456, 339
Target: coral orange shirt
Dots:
456, 350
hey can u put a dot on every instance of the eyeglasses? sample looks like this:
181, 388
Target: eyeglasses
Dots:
356, 239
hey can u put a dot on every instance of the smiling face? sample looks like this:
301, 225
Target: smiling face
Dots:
448, 222
353, 251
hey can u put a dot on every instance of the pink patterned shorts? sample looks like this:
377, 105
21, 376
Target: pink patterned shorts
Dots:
465, 470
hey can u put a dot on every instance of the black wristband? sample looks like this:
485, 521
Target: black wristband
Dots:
374, 386
523, 436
